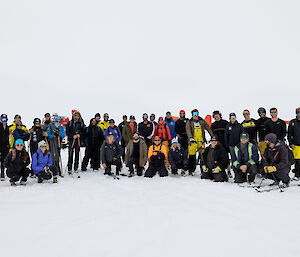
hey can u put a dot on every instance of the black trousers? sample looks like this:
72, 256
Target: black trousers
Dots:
154, 168
177, 166
91, 153
116, 163
241, 177
192, 164
297, 168
183, 141
73, 149
216, 177
2, 158
17, 175
46, 176
280, 175
135, 162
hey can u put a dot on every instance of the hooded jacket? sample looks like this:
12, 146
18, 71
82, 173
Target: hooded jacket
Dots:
40, 161
204, 126
163, 131
110, 151
143, 152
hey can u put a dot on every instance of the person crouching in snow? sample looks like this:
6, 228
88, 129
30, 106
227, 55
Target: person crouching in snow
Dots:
42, 164
157, 156
16, 163
113, 129
178, 158
216, 161
111, 153
136, 154
93, 141
275, 160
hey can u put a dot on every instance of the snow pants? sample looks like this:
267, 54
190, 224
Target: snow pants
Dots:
135, 162
17, 175
91, 153
73, 148
216, 177
241, 177
116, 163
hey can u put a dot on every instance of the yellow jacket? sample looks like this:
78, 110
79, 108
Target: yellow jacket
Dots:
154, 149
104, 125
12, 127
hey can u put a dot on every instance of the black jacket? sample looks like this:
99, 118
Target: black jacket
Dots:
278, 128
121, 127
220, 156
260, 125
180, 125
281, 162
93, 136
294, 132
177, 156
251, 129
218, 128
232, 134
16, 161
146, 130
74, 128
4, 138
36, 136
109, 152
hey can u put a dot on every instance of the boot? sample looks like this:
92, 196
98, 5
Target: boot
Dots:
23, 183
55, 180
13, 183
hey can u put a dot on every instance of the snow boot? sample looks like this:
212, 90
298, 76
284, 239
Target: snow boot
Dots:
55, 180
23, 183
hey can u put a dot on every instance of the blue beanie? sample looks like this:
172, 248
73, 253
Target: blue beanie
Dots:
19, 141
58, 119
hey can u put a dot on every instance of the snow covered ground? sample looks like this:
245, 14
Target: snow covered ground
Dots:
96, 215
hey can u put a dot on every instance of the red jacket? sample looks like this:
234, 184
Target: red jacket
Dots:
163, 131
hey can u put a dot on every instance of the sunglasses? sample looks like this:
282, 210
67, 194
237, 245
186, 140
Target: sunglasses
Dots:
43, 146
182, 113
195, 113
244, 138
157, 140
246, 113
273, 112
18, 145
145, 117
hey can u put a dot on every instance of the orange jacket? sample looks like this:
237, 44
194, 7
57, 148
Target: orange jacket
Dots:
154, 149
163, 131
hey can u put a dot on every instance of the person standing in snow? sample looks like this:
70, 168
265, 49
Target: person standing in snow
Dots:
180, 130
275, 125
105, 123
121, 127
260, 124
46, 121
171, 124
152, 119
36, 135
294, 141
4, 143
218, 127
129, 129
249, 125
146, 129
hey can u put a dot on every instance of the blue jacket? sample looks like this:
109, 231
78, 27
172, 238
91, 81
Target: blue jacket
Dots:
115, 131
250, 155
39, 161
21, 134
171, 125
50, 131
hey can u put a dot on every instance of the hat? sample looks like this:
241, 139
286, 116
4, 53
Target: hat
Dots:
152, 115
111, 121
58, 119
244, 135
297, 110
110, 134
232, 115
41, 143
47, 114
4, 116
216, 112
105, 115
97, 115
271, 137
168, 113
19, 141
17, 116
182, 111
36, 120
214, 138
160, 118
93, 119
132, 117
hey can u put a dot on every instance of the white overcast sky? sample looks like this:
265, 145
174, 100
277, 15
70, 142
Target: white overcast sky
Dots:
135, 56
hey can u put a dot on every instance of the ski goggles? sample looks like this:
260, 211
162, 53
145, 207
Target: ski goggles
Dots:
233, 117
244, 138
195, 113
43, 146
4, 120
145, 116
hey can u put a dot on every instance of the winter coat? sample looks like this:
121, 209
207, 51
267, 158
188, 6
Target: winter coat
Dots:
163, 131
171, 124
40, 161
281, 162
143, 152
220, 156
16, 161
4, 138
177, 156
115, 130
180, 125
146, 130
127, 132
104, 125
218, 128
251, 129
12, 128
249, 158
278, 128
75, 128
260, 124
46, 125
93, 136
121, 127
233, 134
110, 152
155, 149
21, 134
294, 132
204, 126
36, 135
51, 131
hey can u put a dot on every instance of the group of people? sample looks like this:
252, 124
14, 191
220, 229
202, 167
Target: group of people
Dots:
166, 145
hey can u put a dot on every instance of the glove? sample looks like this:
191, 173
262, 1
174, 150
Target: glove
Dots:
218, 169
47, 169
115, 158
204, 168
192, 140
270, 169
56, 131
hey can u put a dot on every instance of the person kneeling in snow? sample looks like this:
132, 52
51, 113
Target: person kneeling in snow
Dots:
111, 153
216, 161
136, 154
275, 160
16, 163
157, 156
42, 164
178, 158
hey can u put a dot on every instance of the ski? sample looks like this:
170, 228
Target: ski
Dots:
115, 177
275, 187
